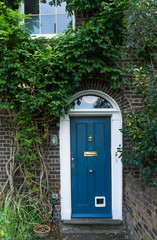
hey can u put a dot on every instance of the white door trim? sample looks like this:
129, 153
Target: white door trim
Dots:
65, 158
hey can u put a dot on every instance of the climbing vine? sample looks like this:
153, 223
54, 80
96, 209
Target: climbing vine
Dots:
38, 77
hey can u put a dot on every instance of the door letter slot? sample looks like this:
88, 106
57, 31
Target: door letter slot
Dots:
90, 154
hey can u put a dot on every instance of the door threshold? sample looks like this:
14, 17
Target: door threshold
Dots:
88, 225
92, 215
93, 221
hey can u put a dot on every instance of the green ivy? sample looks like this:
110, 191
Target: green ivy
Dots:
38, 76
79, 5
41, 77
13, 4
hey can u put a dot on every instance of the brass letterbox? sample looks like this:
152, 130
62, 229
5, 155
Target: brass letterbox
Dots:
90, 154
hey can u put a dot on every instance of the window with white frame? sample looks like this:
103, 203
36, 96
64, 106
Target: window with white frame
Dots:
45, 18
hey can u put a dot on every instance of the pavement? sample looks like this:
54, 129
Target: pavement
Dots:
57, 235
104, 236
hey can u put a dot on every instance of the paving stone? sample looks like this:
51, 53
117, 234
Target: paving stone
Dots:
85, 236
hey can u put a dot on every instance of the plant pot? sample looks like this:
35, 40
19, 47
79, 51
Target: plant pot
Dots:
41, 230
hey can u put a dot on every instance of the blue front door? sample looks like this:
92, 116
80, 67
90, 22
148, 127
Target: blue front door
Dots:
91, 167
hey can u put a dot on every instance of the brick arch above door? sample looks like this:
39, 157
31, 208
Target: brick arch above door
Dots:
118, 94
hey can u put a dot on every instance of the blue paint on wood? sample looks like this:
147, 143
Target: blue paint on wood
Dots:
85, 185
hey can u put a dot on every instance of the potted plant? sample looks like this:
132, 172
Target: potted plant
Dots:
41, 230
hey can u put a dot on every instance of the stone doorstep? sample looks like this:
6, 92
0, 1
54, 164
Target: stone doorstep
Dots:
93, 221
91, 226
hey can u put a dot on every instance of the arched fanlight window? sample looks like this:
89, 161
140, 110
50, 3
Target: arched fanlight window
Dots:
91, 101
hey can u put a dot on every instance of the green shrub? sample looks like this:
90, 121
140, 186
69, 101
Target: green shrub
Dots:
19, 215
141, 128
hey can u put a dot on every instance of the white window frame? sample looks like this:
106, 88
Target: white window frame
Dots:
65, 156
22, 11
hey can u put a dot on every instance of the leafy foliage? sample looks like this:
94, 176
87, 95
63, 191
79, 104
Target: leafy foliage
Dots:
41, 77
141, 38
19, 215
141, 128
83, 5
3, 224
38, 76
13, 4
79, 5
141, 21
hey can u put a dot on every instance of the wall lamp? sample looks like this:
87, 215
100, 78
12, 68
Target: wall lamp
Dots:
54, 140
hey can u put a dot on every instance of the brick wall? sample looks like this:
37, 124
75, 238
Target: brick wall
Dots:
53, 166
52, 158
4, 150
141, 210
124, 98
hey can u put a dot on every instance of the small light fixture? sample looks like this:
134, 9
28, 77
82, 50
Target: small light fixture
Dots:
90, 99
54, 140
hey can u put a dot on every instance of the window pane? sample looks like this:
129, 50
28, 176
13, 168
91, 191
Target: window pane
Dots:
46, 8
61, 9
48, 24
33, 24
63, 21
91, 102
31, 6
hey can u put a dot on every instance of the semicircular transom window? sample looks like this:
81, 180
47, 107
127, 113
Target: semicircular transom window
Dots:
91, 102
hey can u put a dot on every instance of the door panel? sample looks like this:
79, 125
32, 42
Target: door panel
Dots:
91, 175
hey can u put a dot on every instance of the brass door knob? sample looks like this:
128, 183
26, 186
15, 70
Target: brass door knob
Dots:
91, 171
